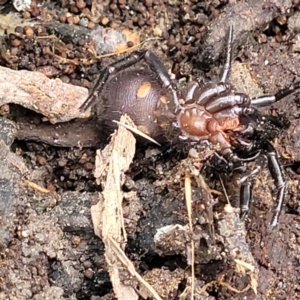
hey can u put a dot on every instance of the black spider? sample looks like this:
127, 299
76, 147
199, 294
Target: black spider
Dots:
213, 112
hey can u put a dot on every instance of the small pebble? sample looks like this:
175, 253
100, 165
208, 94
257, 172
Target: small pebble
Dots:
26, 14
104, 21
41, 160
28, 31
75, 240
88, 273
80, 4
19, 29
70, 20
130, 44
15, 42
63, 18
88, 166
91, 25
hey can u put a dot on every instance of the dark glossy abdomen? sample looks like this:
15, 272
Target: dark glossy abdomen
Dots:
137, 93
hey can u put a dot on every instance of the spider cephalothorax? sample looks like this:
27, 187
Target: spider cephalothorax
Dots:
213, 112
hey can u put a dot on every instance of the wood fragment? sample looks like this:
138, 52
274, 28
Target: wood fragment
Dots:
111, 164
57, 101
36, 187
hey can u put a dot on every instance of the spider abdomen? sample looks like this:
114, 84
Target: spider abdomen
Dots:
138, 94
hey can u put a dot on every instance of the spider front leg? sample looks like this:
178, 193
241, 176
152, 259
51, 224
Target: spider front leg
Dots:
203, 95
267, 100
277, 175
106, 72
246, 185
227, 65
160, 71
245, 199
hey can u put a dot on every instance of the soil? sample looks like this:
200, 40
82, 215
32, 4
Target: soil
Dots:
87, 215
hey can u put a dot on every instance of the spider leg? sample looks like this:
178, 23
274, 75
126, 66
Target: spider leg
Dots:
246, 185
267, 100
249, 130
245, 199
287, 91
277, 175
203, 95
110, 70
231, 157
160, 71
262, 101
227, 65
228, 101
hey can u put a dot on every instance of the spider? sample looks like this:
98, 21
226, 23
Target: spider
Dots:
212, 112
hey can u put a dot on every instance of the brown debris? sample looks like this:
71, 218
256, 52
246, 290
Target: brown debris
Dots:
80, 133
57, 101
36, 187
232, 230
111, 163
10, 21
108, 41
164, 281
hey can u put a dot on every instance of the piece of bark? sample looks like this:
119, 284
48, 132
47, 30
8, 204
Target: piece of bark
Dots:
233, 232
57, 101
107, 215
80, 133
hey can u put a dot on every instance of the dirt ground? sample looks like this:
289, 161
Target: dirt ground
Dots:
86, 215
